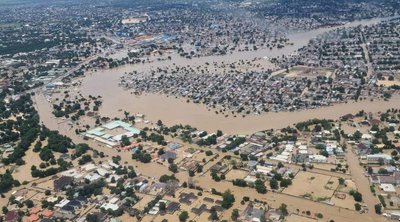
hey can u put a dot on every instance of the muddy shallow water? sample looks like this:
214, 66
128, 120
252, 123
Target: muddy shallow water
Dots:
175, 111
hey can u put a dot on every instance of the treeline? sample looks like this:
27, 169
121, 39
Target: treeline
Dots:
325, 124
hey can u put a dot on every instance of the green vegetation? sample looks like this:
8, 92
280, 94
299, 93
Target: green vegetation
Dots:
183, 216
166, 178
27, 127
85, 159
142, 157
125, 141
235, 142
239, 182
274, 184
7, 182
356, 195
382, 200
325, 124
378, 208
173, 168
227, 199
357, 206
235, 214
260, 186
283, 209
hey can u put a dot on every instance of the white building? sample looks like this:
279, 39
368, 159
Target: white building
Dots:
376, 157
317, 158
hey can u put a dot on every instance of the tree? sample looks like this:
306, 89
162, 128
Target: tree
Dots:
92, 218
81, 149
324, 153
227, 199
85, 159
173, 168
214, 214
29, 203
387, 95
239, 182
165, 178
162, 206
375, 128
277, 176
370, 170
357, 196
381, 161
46, 154
378, 208
4, 209
286, 182
341, 181
160, 152
260, 186
283, 209
209, 153
37, 147
357, 206
383, 171
319, 215
142, 157
183, 216
357, 135
274, 184
235, 214
125, 141
6, 182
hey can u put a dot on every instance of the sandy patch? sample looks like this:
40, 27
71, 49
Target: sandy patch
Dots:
313, 186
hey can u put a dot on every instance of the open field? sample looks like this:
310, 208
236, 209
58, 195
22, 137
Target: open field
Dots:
302, 71
348, 201
236, 174
313, 186
388, 83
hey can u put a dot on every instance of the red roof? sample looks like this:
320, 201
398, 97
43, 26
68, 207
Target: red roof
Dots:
47, 213
34, 210
32, 218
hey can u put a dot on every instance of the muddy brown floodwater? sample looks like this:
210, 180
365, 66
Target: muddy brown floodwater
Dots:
177, 111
